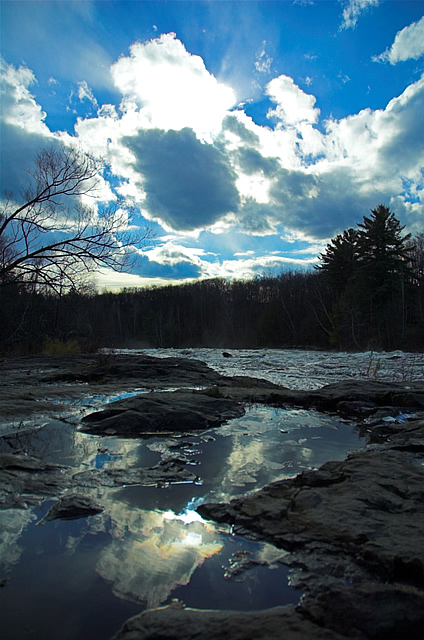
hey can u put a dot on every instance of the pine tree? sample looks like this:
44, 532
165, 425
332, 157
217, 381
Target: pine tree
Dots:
384, 253
369, 271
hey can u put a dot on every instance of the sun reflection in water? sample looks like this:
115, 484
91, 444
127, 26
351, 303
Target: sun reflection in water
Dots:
159, 553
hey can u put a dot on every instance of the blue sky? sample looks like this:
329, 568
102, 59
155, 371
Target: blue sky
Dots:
246, 133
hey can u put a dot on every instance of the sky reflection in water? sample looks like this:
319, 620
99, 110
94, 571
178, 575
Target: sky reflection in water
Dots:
149, 545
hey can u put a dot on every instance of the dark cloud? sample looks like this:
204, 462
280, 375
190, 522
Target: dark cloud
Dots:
293, 185
233, 124
150, 269
322, 206
404, 151
251, 161
188, 184
256, 218
18, 150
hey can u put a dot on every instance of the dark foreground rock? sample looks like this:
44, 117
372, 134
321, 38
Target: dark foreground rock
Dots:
26, 480
154, 413
45, 385
351, 398
174, 623
354, 532
369, 612
72, 507
366, 514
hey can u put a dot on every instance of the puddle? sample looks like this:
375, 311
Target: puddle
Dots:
83, 578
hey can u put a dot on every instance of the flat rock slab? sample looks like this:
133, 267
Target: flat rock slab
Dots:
174, 623
367, 510
369, 612
36, 385
72, 507
25, 479
171, 471
352, 398
161, 412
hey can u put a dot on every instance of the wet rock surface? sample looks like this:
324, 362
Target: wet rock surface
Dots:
71, 508
37, 385
175, 623
162, 412
370, 611
164, 473
353, 530
25, 480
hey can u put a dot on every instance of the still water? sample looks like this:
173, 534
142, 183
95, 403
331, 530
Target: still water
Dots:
83, 578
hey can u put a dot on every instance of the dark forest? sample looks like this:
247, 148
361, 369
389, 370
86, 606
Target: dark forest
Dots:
366, 293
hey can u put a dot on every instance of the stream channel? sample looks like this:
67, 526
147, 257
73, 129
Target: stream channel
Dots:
82, 578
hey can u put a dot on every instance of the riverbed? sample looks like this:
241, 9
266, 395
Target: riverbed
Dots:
148, 546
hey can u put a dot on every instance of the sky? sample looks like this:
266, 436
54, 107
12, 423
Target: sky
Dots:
245, 134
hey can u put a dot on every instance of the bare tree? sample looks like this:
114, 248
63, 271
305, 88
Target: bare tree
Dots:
52, 237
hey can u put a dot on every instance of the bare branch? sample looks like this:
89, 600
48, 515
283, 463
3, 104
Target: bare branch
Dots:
51, 236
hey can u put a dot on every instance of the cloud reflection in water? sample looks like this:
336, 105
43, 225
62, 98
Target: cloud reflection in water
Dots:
159, 554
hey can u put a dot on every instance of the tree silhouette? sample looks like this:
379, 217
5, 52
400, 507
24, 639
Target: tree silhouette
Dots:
51, 236
369, 270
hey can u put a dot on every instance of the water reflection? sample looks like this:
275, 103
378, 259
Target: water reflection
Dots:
149, 545
160, 551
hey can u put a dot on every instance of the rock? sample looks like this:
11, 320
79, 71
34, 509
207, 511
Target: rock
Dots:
160, 412
192, 624
368, 612
146, 370
348, 396
27, 480
374, 610
166, 472
72, 507
368, 510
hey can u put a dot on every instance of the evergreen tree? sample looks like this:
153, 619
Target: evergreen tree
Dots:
384, 253
369, 271
339, 261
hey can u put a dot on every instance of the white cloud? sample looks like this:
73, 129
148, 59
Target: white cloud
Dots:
19, 107
172, 88
23, 130
353, 10
408, 44
172, 253
263, 61
85, 93
293, 105
191, 167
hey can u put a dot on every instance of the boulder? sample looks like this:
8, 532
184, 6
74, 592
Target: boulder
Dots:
161, 412
73, 507
177, 623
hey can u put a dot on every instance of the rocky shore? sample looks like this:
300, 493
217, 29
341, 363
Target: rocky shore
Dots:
354, 532
351, 531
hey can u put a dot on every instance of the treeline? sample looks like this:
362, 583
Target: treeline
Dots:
288, 310
367, 293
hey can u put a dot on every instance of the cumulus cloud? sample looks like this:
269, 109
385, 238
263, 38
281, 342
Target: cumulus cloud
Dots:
408, 44
293, 105
252, 161
177, 152
188, 184
172, 87
24, 131
353, 9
